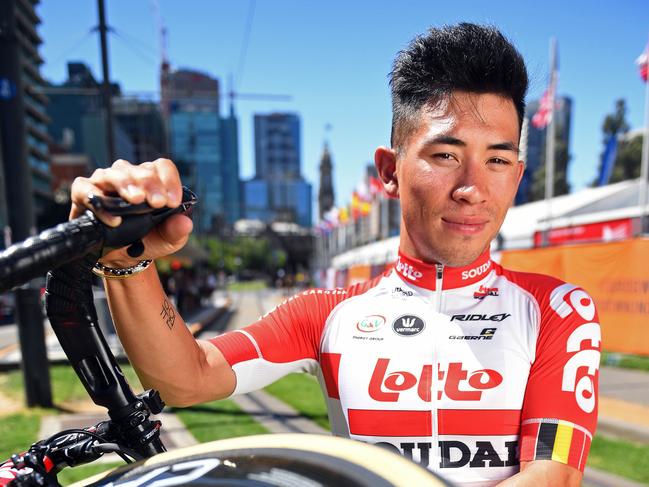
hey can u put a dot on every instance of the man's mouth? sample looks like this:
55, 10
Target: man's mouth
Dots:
468, 225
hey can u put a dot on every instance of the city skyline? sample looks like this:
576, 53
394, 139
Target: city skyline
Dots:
334, 60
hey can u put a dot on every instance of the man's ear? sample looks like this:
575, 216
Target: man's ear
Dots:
385, 160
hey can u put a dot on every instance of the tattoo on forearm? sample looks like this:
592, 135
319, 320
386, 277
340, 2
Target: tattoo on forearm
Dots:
168, 314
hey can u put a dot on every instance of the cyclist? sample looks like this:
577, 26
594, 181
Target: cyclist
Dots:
484, 375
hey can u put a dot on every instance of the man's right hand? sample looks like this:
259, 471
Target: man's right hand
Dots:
157, 183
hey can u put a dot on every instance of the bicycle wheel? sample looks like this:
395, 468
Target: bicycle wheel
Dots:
291, 460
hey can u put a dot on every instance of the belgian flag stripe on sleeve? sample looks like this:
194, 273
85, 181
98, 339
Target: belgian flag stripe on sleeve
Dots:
562, 442
545, 441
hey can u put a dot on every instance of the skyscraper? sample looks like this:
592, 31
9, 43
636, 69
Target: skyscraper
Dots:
204, 145
278, 192
326, 196
536, 145
23, 118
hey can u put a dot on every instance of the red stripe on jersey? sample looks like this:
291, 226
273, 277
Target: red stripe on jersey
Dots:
330, 363
579, 447
479, 421
235, 347
529, 434
372, 422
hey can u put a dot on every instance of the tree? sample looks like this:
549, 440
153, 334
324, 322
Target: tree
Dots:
629, 151
615, 123
627, 162
561, 159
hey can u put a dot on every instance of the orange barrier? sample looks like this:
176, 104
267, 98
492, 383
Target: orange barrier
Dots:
358, 273
615, 274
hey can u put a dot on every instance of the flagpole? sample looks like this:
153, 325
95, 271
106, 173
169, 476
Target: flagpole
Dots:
549, 142
644, 161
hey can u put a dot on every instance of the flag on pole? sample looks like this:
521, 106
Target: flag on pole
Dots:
643, 63
543, 115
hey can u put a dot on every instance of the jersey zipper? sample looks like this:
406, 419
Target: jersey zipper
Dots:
438, 286
436, 385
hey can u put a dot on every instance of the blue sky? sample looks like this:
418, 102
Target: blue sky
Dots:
333, 58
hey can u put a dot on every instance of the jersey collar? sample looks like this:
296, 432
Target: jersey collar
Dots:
425, 275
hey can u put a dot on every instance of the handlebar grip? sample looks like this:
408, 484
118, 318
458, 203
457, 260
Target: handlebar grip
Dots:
55, 246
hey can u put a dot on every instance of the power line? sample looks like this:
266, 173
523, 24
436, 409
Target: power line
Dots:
245, 42
133, 48
74, 46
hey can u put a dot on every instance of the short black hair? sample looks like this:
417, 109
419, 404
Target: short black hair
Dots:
463, 57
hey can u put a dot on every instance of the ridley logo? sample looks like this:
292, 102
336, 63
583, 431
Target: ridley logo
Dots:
408, 325
408, 271
478, 271
485, 291
386, 387
370, 323
498, 317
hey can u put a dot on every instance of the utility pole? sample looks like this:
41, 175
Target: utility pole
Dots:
19, 197
106, 94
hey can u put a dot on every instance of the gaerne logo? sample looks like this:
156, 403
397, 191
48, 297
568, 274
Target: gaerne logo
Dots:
370, 323
407, 270
478, 271
408, 325
485, 291
485, 334
498, 317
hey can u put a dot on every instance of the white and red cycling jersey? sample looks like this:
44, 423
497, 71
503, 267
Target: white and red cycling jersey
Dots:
467, 371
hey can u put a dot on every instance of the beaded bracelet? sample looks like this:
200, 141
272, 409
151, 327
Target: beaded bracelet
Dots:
120, 273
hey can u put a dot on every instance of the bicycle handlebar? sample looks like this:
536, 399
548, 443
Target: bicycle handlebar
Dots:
71, 250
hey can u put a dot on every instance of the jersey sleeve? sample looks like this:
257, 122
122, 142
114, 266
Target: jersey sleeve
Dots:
285, 340
560, 406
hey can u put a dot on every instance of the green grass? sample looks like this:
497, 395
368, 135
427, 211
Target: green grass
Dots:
626, 361
70, 475
247, 285
217, 420
302, 392
18, 431
66, 386
630, 460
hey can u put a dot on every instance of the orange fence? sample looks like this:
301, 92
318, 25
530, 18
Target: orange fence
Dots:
615, 274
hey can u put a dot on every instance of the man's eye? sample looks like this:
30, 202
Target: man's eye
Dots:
498, 160
444, 156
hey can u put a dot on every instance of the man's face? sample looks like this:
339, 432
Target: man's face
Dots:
456, 176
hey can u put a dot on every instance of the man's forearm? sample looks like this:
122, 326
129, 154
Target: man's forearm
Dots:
164, 353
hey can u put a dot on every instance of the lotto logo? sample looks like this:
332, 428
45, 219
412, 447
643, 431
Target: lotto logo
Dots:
580, 369
458, 384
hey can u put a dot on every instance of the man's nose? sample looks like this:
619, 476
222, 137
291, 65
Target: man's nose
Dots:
469, 189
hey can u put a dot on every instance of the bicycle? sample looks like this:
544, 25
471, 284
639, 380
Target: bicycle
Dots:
69, 251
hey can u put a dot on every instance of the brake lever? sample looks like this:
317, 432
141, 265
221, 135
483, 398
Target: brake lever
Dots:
137, 219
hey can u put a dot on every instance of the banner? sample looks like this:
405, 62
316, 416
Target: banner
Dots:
588, 232
615, 274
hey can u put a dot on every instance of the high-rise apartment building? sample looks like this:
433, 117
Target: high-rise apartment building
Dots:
23, 117
278, 192
77, 119
536, 144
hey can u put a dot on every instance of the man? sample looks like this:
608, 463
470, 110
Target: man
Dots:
481, 374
